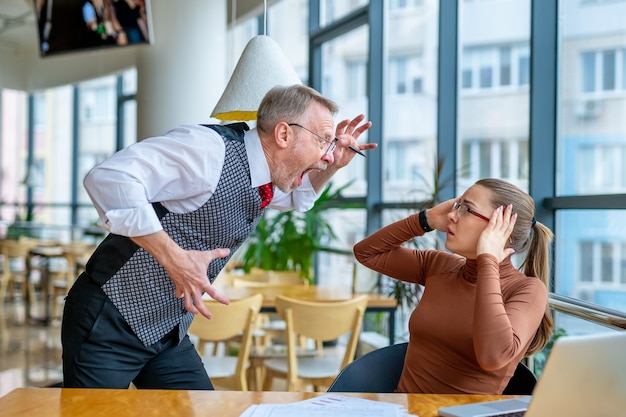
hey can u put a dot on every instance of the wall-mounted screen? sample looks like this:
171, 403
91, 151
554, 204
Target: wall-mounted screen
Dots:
78, 25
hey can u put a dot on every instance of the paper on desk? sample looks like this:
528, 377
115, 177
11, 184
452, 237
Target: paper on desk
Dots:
338, 405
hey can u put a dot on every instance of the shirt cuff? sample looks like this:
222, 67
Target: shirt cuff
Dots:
131, 222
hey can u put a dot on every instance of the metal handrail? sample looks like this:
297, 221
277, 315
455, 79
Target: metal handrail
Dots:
587, 311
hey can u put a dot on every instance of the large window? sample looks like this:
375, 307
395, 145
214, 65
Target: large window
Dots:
14, 153
44, 158
590, 255
338, 58
493, 119
409, 140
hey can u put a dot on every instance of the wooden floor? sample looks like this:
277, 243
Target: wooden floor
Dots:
30, 352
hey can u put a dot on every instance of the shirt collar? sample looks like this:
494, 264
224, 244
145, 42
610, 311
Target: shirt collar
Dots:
259, 170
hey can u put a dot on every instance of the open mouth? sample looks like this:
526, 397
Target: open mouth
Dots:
320, 167
306, 171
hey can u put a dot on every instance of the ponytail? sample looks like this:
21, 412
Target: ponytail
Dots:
537, 264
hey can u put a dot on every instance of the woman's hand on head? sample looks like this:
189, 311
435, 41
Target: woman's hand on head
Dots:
495, 238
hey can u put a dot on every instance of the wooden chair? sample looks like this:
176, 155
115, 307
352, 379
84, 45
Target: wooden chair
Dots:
319, 321
75, 255
14, 269
228, 321
269, 326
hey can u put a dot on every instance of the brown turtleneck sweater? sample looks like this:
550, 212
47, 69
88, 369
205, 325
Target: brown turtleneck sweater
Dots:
474, 321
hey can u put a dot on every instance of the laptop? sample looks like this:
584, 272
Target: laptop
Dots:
584, 376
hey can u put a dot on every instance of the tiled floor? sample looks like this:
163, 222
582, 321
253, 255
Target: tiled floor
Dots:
30, 352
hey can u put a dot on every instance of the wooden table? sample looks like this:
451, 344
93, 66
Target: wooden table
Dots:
74, 402
376, 302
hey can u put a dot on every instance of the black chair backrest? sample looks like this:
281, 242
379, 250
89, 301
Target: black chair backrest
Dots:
379, 371
522, 382
376, 371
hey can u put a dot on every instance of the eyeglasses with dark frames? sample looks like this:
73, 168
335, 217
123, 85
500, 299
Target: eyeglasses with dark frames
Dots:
332, 143
463, 208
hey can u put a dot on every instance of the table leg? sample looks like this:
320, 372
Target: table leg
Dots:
392, 327
45, 289
45, 282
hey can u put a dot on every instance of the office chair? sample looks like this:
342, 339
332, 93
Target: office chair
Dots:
379, 372
522, 382
376, 371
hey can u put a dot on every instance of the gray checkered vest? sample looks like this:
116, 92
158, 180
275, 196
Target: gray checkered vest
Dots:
139, 287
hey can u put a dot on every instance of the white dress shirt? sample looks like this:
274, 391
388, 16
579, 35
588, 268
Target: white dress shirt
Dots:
180, 170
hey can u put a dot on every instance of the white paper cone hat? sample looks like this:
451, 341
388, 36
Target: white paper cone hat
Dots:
262, 66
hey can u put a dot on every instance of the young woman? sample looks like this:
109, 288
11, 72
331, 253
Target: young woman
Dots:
478, 315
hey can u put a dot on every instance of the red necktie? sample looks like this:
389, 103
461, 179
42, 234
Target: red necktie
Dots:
266, 191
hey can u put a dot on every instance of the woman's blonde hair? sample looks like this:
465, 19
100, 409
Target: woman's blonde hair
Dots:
531, 237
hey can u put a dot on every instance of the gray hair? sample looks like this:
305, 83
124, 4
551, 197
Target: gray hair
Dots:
288, 104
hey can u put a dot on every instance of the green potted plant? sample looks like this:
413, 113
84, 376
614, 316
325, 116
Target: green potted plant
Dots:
288, 241
25, 227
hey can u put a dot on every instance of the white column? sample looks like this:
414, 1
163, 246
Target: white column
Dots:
181, 76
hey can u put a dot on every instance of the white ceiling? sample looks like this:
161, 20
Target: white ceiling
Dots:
17, 22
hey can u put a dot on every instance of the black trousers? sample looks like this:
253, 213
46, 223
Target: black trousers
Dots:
101, 351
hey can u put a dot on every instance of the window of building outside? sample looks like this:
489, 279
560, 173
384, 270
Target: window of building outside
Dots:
590, 262
506, 159
495, 67
405, 74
